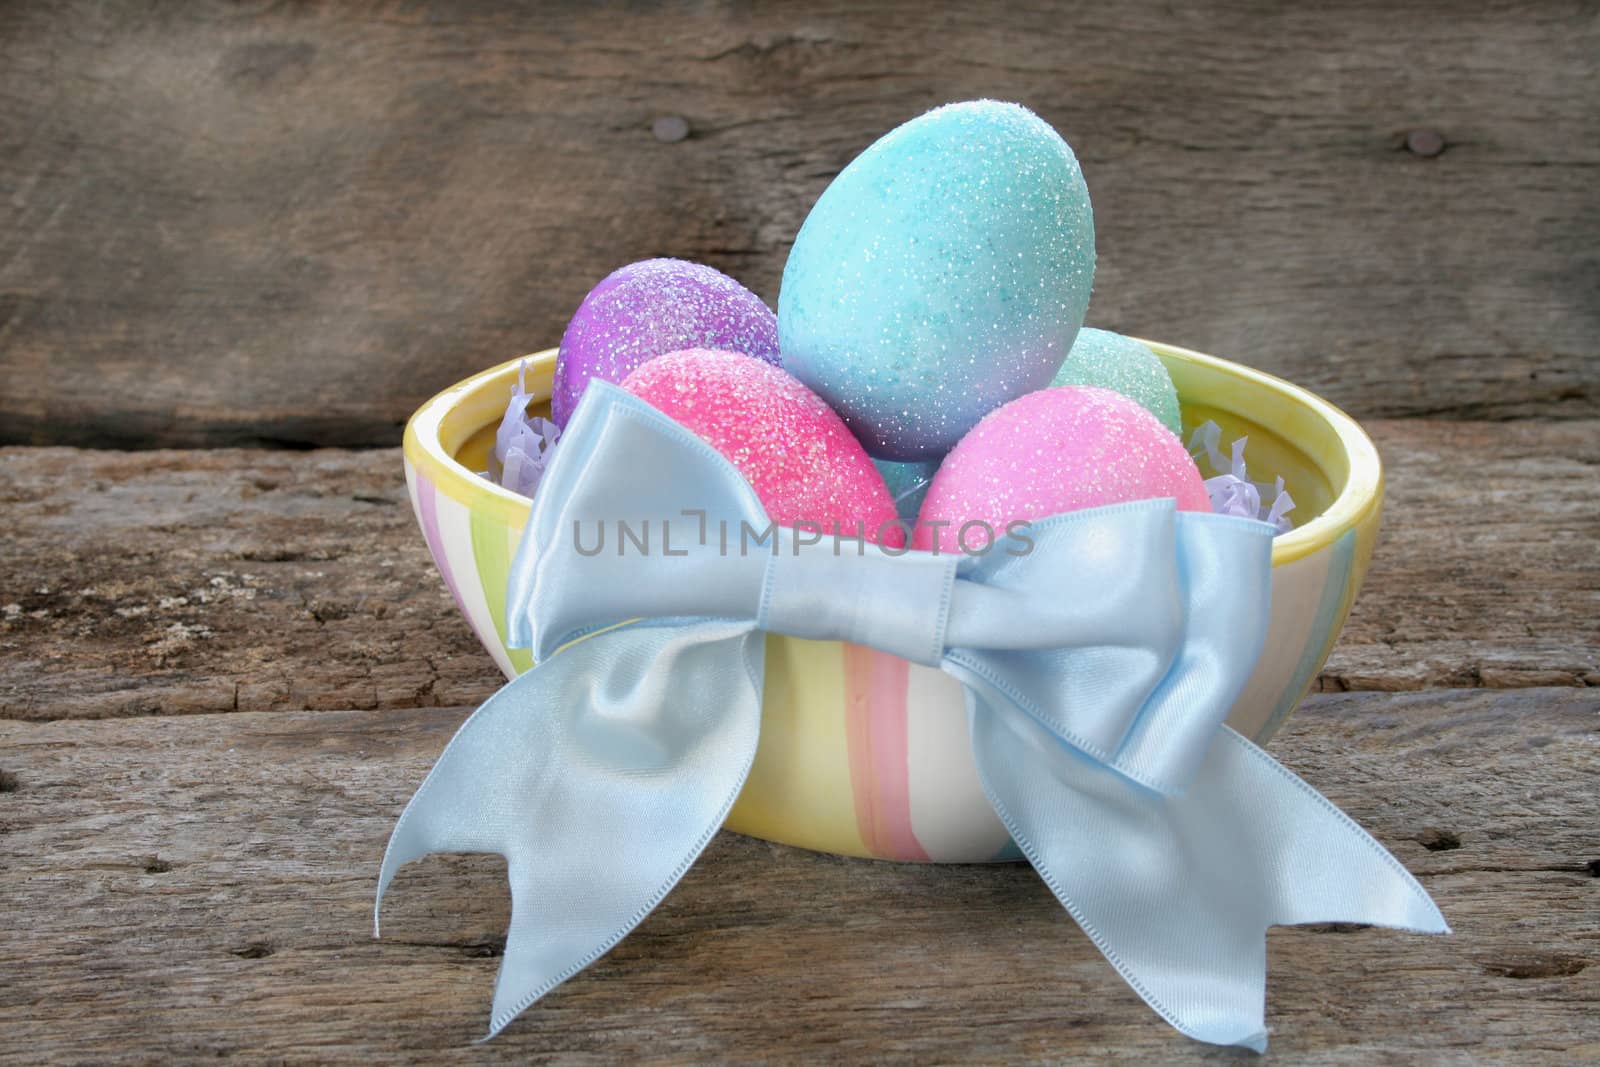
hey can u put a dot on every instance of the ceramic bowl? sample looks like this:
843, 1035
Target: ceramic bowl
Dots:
863, 753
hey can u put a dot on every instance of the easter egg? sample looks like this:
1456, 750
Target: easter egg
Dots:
1111, 361
648, 309
1049, 452
944, 272
796, 453
908, 483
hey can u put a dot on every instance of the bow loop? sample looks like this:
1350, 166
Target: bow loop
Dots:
635, 518
1104, 576
1078, 631
1225, 568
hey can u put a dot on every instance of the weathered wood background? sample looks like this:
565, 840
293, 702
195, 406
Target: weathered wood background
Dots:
290, 224
223, 670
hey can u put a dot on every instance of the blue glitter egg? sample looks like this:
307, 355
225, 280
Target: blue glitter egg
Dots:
944, 272
1123, 365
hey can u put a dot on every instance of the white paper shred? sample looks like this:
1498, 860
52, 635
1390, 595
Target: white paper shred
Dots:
523, 443
1231, 490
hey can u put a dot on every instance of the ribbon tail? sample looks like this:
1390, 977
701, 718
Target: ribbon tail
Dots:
601, 775
1178, 892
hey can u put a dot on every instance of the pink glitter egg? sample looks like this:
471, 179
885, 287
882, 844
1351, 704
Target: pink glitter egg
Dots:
1053, 451
796, 453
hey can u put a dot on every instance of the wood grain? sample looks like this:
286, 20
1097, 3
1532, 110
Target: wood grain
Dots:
202, 886
212, 581
1487, 570
289, 224
178, 582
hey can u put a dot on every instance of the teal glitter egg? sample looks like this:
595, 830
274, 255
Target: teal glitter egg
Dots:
944, 272
908, 484
1123, 365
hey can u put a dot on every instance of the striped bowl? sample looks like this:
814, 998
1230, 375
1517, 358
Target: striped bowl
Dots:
863, 753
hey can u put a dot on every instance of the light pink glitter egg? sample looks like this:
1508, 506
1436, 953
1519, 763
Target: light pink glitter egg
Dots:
795, 452
1052, 451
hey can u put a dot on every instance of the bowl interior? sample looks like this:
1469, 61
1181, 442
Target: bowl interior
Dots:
1327, 462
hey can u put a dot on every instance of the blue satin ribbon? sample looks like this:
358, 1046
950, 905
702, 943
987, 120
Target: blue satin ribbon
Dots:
1098, 665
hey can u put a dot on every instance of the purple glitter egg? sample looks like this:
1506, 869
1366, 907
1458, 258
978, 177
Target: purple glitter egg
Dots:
648, 309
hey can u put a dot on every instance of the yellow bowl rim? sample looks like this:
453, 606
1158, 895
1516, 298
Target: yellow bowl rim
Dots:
1360, 495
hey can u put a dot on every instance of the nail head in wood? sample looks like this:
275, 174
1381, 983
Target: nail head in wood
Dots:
1425, 143
670, 129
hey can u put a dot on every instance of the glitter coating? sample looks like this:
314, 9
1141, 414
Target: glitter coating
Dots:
944, 272
1054, 451
648, 309
795, 452
1111, 361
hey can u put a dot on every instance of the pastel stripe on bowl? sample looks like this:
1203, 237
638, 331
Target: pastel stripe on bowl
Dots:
447, 525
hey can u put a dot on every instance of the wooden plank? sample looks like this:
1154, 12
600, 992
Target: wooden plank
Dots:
1486, 571
209, 581
292, 223
206, 581
188, 887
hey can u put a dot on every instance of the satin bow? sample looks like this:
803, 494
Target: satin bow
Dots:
1100, 652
